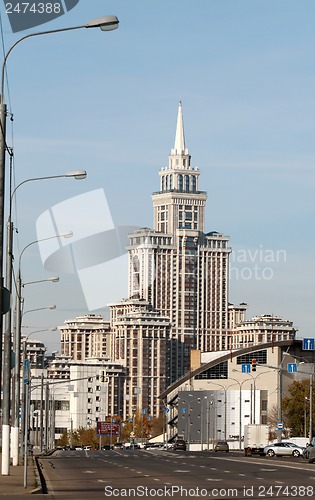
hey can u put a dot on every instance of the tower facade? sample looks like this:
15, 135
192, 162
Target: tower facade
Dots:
177, 267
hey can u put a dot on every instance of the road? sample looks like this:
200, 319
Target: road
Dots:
149, 474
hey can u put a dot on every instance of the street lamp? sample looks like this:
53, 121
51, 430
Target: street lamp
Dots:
26, 402
17, 343
105, 23
311, 401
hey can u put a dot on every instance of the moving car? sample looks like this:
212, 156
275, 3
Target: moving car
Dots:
221, 446
310, 455
180, 444
283, 448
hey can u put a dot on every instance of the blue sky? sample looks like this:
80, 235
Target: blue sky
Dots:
107, 103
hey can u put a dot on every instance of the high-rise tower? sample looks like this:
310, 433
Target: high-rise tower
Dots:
179, 269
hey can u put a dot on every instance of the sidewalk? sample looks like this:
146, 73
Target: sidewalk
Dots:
14, 483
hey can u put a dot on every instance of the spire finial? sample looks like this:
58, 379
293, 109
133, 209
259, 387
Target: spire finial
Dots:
179, 146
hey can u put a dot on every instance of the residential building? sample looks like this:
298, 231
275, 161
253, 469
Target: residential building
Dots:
141, 343
177, 267
261, 329
85, 337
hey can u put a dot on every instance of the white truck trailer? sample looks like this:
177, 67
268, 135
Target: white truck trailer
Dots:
256, 437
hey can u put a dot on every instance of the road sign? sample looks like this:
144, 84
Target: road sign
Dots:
184, 410
26, 371
280, 426
308, 344
246, 368
292, 367
144, 412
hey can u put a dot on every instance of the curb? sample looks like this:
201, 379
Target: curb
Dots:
39, 477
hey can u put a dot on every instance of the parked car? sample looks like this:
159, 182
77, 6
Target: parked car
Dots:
106, 447
221, 446
180, 444
283, 448
118, 446
153, 446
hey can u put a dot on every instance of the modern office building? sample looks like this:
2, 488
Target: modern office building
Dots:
177, 267
216, 399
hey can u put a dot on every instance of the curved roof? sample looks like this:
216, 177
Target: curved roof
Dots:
225, 357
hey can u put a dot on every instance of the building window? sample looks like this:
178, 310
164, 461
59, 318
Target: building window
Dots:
260, 356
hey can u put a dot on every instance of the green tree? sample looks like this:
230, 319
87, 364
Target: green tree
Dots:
296, 407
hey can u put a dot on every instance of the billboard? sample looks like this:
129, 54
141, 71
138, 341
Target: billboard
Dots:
107, 428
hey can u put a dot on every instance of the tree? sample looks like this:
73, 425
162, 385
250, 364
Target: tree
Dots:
142, 427
296, 406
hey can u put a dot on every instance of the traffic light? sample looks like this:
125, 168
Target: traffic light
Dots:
254, 361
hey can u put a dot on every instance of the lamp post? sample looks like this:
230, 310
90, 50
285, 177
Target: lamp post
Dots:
225, 404
17, 365
240, 409
106, 23
76, 174
310, 401
26, 399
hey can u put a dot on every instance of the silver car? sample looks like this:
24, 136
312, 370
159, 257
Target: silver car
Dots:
283, 448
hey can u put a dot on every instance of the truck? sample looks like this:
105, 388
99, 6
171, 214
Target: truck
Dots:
256, 437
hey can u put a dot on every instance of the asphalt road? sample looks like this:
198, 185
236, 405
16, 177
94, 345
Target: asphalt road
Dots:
162, 474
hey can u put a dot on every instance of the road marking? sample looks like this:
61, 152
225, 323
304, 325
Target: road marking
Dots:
156, 479
280, 482
89, 471
267, 470
213, 479
182, 470
242, 475
213, 468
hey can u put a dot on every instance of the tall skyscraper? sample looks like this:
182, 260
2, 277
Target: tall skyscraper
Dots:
177, 267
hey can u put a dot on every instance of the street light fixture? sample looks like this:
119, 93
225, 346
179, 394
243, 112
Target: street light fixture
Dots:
106, 23
54, 279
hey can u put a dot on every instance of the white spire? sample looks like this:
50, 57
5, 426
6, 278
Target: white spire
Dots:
179, 146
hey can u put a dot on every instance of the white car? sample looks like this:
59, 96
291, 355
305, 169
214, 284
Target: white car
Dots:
283, 448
